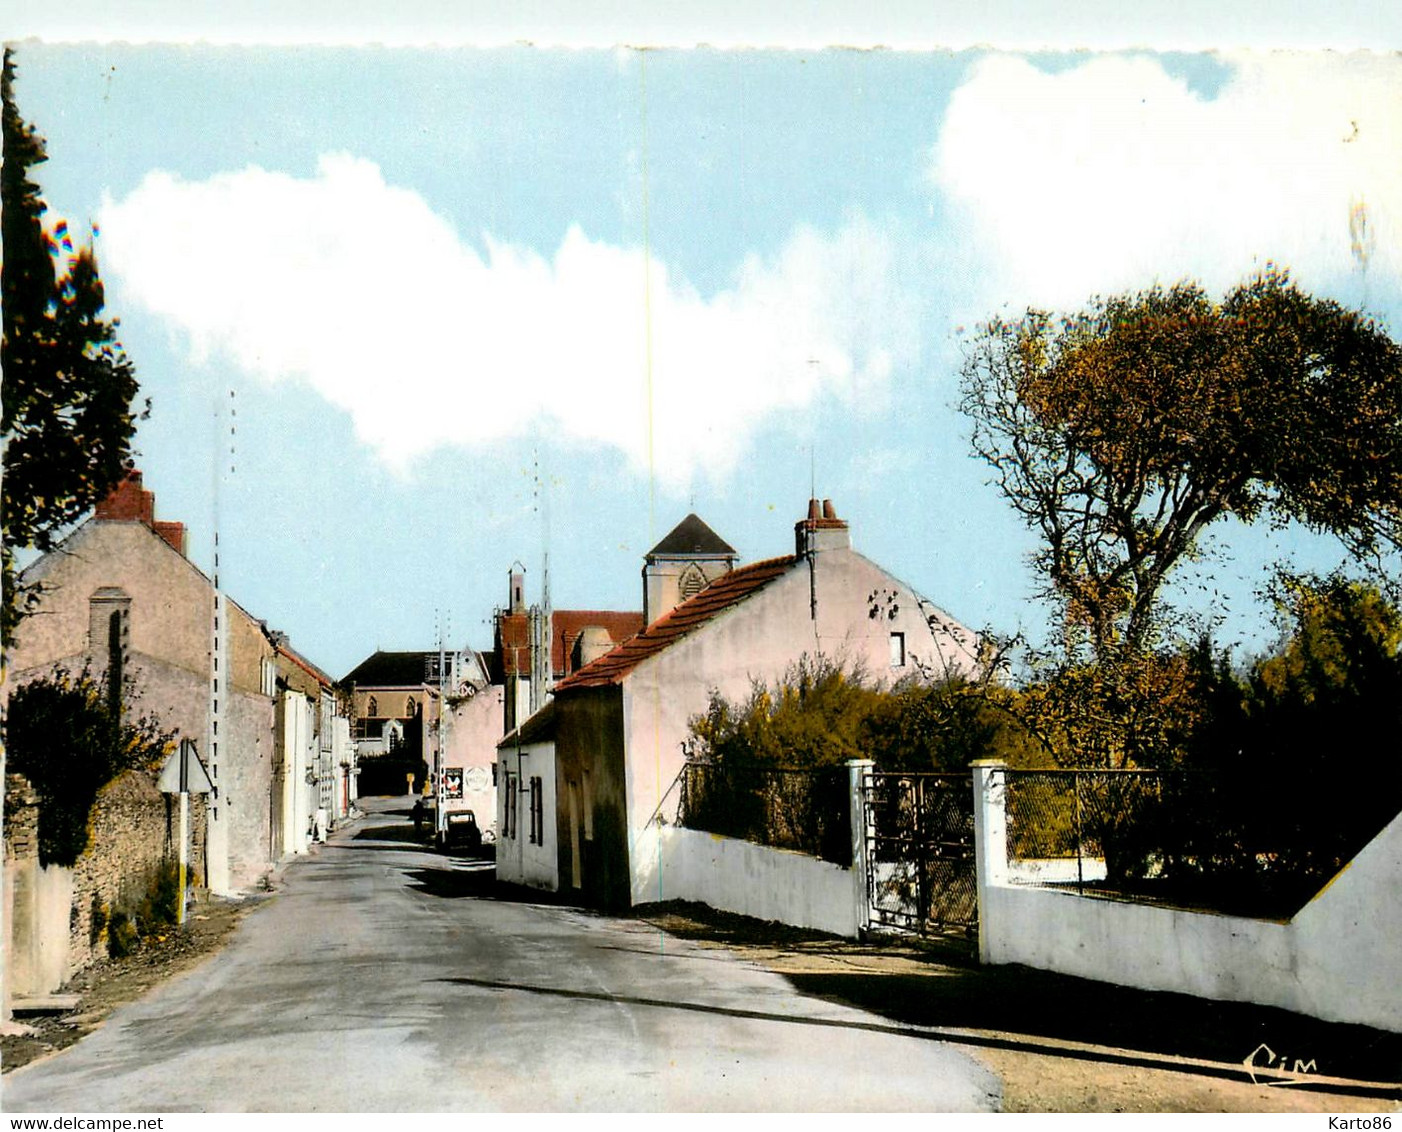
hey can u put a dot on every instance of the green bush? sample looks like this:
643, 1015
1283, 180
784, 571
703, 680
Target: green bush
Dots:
122, 935
63, 734
97, 922
161, 904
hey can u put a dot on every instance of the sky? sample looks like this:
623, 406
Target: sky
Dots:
409, 314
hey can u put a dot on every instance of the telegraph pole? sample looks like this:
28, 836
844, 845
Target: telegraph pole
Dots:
440, 819
217, 838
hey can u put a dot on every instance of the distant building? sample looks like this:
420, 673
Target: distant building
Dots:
535, 647
388, 692
684, 563
583, 784
399, 715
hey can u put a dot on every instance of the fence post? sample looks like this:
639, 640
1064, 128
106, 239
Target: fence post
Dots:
990, 842
858, 771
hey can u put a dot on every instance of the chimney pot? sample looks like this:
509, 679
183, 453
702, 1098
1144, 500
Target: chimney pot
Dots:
828, 512
813, 509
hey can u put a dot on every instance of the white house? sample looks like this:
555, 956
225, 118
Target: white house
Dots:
611, 750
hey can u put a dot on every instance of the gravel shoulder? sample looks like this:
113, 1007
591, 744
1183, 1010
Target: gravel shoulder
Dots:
109, 983
1062, 1044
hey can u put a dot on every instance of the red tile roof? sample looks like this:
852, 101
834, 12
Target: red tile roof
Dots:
726, 591
514, 635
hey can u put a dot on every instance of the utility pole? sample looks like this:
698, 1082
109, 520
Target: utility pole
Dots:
217, 836
440, 819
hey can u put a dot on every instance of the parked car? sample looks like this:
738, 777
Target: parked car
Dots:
462, 832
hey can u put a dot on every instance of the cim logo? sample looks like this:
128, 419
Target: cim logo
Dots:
1265, 1058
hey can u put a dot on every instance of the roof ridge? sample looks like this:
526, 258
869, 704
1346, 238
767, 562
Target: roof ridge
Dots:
727, 590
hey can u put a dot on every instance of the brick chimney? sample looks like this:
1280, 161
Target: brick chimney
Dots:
821, 530
130, 502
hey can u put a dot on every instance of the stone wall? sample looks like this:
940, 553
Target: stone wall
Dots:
21, 819
37, 903
133, 828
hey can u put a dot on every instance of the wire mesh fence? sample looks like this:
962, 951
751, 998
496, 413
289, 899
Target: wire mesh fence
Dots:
920, 833
1197, 839
807, 810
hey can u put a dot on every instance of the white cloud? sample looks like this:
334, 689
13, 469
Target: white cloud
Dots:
1114, 173
361, 289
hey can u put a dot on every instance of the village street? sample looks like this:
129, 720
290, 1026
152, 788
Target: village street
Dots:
383, 977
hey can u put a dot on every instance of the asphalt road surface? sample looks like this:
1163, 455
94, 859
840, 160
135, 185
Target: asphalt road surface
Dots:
386, 978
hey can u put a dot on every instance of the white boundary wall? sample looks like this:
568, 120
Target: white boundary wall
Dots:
1340, 958
671, 862
754, 880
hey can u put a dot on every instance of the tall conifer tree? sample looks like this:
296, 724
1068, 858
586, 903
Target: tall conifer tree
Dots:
67, 420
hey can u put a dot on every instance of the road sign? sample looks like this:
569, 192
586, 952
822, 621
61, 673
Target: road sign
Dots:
184, 773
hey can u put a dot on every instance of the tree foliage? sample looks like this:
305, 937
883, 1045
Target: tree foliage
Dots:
67, 419
1122, 432
1132, 710
822, 713
1294, 764
64, 734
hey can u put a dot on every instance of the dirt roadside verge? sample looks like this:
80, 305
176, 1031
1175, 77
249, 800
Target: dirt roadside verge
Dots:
1062, 1044
109, 983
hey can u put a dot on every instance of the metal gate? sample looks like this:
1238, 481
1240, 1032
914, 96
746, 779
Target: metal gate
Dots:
920, 851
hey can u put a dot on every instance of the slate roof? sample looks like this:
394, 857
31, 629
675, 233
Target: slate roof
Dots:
691, 537
390, 670
726, 591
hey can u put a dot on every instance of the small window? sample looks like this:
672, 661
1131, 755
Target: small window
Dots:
410, 708
897, 650
537, 812
508, 817
372, 709
587, 783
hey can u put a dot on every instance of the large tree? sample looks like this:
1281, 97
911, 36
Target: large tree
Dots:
1122, 432
68, 420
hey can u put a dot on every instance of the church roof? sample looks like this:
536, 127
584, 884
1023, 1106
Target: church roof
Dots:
392, 670
728, 590
691, 537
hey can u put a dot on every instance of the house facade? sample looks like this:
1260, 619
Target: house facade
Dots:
614, 741
315, 771
120, 598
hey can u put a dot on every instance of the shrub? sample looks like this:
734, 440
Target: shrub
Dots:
161, 904
122, 935
65, 734
97, 921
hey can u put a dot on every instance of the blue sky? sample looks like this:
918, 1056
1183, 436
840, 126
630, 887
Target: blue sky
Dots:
474, 303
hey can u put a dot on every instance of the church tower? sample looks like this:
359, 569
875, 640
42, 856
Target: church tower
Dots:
685, 562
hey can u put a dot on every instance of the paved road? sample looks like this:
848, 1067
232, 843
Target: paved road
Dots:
385, 978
